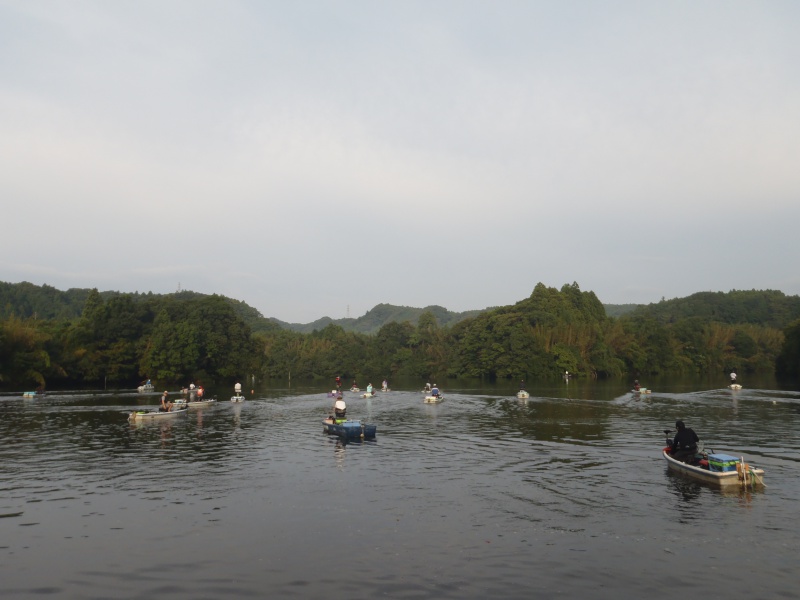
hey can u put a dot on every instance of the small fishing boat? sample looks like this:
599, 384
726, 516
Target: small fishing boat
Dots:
335, 394
31, 394
368, 395
238, 398
641, 391
735, 386
201, 403
146, 388
717, 469
351, 429
433, 399
355, 389
523, 394
155, 415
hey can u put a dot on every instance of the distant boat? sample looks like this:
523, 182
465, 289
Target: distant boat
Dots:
735, 386
154, 415
237, 398
523, 394
146, 388
433, 399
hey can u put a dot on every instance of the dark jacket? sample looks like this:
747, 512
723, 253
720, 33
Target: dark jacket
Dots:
685, 439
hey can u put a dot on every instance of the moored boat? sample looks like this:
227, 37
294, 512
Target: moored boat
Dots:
153, 415
351, 429
717, 469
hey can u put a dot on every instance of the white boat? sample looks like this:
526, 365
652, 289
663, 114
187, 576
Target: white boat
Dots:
197, 403
146, 388
368, 395
743, 474
641, 391
237, 398
735, 386
355, 389
154, 415
523, 394
433, 399
30, 394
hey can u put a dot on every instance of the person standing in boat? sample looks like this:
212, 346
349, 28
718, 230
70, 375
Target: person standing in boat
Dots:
385, 385
369, 388
166, 403
522, 386
338, 382
636, 385
684, 444
733, 377
238, 388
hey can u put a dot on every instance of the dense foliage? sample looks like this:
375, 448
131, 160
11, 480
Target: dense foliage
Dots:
123, 338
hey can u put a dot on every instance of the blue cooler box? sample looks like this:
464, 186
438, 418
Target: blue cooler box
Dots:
722, 462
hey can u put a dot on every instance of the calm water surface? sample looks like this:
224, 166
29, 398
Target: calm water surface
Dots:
564, 495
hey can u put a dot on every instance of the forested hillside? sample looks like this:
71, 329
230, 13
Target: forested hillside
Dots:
120, 339
382, 314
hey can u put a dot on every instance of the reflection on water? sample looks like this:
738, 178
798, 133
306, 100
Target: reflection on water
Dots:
561, 494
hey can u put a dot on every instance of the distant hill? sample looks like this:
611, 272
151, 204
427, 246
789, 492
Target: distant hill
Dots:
617, 310
382, 314
770, 308
45, 302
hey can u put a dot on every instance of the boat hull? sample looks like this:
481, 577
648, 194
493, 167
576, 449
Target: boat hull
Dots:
237, 399
433, 399
350, 429
201, 403
523, 394
156, 415
715, 478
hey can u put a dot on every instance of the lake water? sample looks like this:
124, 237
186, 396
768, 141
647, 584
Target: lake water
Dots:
564, 495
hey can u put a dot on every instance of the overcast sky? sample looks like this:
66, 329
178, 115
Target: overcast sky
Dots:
315, 158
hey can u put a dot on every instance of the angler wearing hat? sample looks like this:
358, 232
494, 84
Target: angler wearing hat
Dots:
684, 444
339, 411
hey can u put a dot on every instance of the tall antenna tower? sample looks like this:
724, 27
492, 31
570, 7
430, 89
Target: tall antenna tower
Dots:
179, 286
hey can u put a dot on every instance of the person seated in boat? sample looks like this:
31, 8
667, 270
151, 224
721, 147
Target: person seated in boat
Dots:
166, 403
636, 385
200, 391
339, 411
385, 385
522, 386
435, 391
369, 388
684, 444
238, 388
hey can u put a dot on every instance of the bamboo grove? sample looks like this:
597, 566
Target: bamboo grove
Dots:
123, 338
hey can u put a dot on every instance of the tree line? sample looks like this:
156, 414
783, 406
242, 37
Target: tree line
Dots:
121, 339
